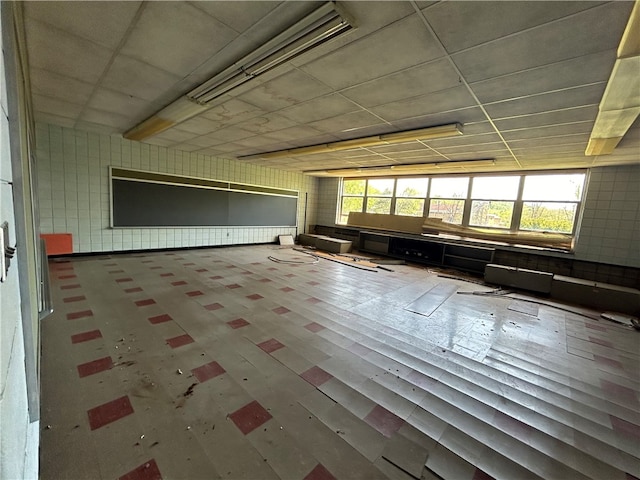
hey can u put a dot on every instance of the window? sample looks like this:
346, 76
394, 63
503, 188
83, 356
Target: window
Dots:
410, 196
539, 202
493, 201
352, 198
445, 195
550, 202
379, 193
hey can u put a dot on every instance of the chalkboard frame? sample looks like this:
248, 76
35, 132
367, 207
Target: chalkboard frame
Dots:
221, 195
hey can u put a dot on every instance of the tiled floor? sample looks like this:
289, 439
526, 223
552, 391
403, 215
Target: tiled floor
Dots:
219, 363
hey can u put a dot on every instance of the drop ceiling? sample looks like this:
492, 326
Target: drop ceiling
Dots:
523, 78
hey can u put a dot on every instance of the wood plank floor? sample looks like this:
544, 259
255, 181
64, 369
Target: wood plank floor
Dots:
221, 363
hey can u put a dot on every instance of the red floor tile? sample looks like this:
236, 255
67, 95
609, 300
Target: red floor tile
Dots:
238, 323
166, 274
123, 280
147, 471
599, 341
384, 421
270, 345
592, 326
512, 426
622, 426
109, 412
313, 282
319, 472
188, 264
70, 287
78, 298
77, 315
607, 361
133, 289
194, 293
208, 371
265, 280
65, 277
272, 268
145, 302
255, 296
626, 394
95, 366
313, 300
314, 327
216, 277
481, 475
116, 271
200, 270
178, 283
147, 261
160, 319
250, 417
110, 265
86, 336
64, 267
246, 273
281, 310
155, 268
213, 306
179, 341
316, 376
290, 275
231, 266
233, 285
287, 289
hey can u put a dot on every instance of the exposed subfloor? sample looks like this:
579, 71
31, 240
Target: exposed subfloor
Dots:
220, 363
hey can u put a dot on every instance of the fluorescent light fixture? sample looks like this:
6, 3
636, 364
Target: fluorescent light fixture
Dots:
404, 169
317, 28
620, 104
323, 24
441, 131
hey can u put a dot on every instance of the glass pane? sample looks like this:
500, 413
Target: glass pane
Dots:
380, 186
548, 217
449, 187
495, 188
449, 211
353, 187
378, 205
412, 187
553, 187
350, 204
491, 214
410, 206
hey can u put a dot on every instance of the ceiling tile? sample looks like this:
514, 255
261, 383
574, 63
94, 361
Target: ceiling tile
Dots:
464, 116
56, 107
60, 52
319, 108
267, 123
377, 54
576, 71
548, 131
230, 134
573, 97
130, 76
286, 90
350, 123
412, 82
296, 135
54, 119
116, 102
232, 111
550, 141
161, 39
104, 23
110, 119
198, 125
238, 16
442, 101
592, 31
570, 115
491, 20
175, 135
59, 86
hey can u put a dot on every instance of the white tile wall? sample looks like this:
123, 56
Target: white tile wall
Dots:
73, 191
610, 227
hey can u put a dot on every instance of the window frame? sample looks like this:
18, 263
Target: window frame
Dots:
518, 203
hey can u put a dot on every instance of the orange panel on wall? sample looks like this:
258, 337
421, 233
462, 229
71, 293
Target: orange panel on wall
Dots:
58, 243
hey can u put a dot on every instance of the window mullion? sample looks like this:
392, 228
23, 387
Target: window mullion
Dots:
517, 208
466, 211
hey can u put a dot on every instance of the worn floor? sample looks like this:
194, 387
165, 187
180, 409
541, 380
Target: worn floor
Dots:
221, 363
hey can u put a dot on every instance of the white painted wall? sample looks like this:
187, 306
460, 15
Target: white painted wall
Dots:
19, 438
73, 191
